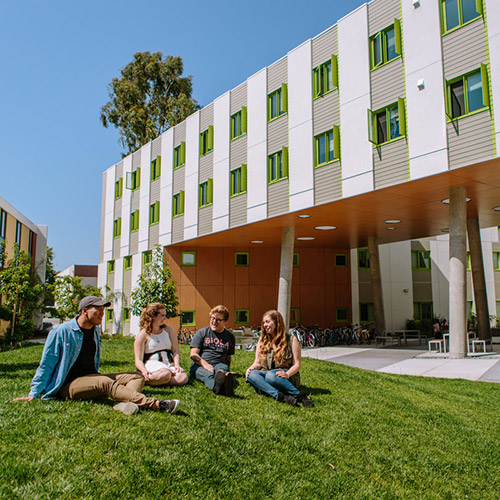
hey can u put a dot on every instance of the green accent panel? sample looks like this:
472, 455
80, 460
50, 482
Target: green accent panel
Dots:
243, 178
335, 71
479, 7
485, 85
181, 201
372, 131
336, 141
210, 137
158, 165
210, 191
402, 116
316, 85
447, 100
397, 35
183, 153
284, 97
284, 159
244, 120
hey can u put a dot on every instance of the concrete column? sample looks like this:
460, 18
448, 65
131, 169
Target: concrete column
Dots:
478, 280
376, 277
286, 270
458, 266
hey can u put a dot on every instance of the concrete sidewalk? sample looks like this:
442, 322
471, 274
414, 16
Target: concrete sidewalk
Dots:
483, 367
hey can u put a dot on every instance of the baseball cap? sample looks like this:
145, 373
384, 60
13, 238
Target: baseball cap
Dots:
91, 300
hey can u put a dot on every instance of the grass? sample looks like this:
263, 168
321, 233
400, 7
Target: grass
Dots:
370, 436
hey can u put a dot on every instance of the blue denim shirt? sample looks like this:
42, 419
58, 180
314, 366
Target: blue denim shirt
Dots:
61, 349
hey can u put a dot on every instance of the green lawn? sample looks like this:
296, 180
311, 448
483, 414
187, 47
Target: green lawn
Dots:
370, 436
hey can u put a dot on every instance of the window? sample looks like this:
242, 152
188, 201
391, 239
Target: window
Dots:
341, 260
422, 310
363, 259
205, 196
241, 259
420, 259
470, 309
277, 165
3, 224
468, 93
154, 213
180, 155
468, 261
239, 123
385, 45
496, 261
342, 314
134, 179
111, 266
188, 259
241, 316
155, 168
387, 124
134, 221
238, 182
147, 258
325, 77
126, 314
117, 227
127, 262
178, 204
109, 315
327, 147
277, 103
188, 318
456, 13
366, 314
19, 228
31, 242
119, 188
294, 315
296, 259
207, 141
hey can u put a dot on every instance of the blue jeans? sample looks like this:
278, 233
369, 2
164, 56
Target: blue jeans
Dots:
199, 373
270, 384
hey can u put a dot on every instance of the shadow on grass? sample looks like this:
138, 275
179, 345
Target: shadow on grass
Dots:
17, 367
314, 390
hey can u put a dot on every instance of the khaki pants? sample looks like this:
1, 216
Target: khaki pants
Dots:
117, 386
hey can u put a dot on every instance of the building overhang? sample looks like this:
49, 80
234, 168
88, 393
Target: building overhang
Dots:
418, 204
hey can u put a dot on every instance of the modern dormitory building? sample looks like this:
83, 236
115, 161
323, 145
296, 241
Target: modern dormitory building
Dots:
32, 239
369, 136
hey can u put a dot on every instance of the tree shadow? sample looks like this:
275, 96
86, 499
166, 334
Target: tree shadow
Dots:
16, 367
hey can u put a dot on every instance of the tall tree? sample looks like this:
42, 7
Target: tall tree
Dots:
150, 96
155, 284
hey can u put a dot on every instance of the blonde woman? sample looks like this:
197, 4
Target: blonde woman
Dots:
156, 349
275, 371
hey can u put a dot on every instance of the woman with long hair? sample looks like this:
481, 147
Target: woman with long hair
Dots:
156, 349
275, 371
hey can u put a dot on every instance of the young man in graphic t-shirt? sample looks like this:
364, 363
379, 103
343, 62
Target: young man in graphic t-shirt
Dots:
211, 351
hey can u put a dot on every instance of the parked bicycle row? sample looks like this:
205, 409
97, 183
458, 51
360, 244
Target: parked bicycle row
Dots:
313, 336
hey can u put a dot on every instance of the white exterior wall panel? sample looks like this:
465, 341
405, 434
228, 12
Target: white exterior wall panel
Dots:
125, 200
301, 175
144, 197
493, 25
109, 189
354, 82
191, 179
257, 153
167, 165
427, 143
221, 162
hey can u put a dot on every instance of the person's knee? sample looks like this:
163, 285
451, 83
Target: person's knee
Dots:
272, 378
181, 379
253, 376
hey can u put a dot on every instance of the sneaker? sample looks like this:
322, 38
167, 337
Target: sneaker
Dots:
304, 400
285, 398
220, 378
127, 408
168, 405
229, 384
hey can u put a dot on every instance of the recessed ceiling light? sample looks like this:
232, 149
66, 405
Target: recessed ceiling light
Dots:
496, 209
305, 238
393, 221
256, 241
445, 230
391, 228
325, 228
446, 201
303, 216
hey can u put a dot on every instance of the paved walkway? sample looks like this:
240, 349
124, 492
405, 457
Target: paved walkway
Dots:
483, 367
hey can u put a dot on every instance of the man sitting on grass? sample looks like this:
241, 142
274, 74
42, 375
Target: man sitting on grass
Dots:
69, 368
211, 351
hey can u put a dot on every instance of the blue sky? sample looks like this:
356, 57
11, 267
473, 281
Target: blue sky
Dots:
58, 57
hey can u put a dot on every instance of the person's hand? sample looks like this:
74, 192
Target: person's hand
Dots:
24, 398
210, 368
247, 373
146, 375
179, 369
282, 374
